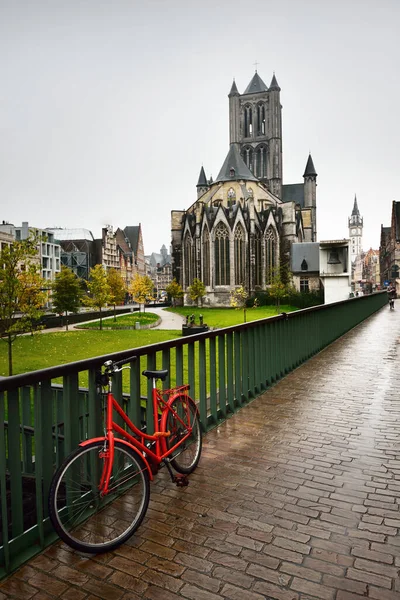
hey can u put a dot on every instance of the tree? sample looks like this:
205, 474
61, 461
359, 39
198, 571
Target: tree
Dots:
22, 296
67, 293
280, 286
174, 291
117, 287
197, 290
239, 299
99, 290
141, 289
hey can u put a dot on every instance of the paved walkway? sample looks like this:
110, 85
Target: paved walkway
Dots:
169, 320
297, 497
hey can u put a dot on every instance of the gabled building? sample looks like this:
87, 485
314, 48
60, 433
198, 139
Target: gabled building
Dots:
389, 250
242, 225
134, 235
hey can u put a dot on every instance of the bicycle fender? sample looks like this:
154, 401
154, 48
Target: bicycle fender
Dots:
144, 459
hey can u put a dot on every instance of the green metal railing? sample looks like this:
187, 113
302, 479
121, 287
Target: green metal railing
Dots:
226, 368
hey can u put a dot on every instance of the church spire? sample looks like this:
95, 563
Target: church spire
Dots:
355, 211
234, 91
310, 169
256, 85
202, 178
273, 86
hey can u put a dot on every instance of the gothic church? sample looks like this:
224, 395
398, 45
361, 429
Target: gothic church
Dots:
242, 225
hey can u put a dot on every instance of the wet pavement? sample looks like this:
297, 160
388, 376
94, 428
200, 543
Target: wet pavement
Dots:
296, 497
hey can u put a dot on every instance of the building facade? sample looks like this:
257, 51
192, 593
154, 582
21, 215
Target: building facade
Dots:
242, 225
389, 250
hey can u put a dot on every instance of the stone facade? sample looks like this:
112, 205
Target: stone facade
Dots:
241, 227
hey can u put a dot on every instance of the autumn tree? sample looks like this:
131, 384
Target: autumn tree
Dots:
174, 291
280, 286
141, 289
117, 288
197, 291
239, 299
99, 291
67, 293
22, 294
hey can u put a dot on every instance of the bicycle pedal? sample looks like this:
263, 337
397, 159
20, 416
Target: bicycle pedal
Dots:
181, 480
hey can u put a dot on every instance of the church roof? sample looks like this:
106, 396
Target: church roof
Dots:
234, 167
234, 91
355, 211
202, 179
310, 169
274, 84
256, 85
293, 192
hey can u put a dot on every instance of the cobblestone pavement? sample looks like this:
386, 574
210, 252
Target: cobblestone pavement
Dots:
296, 497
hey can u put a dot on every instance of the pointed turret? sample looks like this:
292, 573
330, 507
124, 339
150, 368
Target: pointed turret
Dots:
310, 198
355, 211
234, 91
234, 167
202, 184
274, 85
310, 169
256, 85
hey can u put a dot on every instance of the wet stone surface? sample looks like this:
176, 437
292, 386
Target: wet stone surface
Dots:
297, 497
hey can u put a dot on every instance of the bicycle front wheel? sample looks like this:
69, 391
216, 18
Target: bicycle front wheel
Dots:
83, 518
181, 414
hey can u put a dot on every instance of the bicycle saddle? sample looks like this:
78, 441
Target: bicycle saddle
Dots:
156, 374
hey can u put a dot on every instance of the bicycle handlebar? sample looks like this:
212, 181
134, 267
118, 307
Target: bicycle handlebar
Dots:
114, 366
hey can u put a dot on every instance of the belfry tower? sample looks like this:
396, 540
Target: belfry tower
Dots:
355, 231
255, 124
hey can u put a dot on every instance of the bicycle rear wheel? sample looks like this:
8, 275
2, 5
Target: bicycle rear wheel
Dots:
88, 521
186, 457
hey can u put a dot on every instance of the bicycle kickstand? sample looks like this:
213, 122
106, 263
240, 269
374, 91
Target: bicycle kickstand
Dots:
178, 478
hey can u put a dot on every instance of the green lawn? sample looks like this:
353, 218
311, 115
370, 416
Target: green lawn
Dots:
42, 350
129, 320
225, 317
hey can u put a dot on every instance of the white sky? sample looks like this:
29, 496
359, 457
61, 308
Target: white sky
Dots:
108, 109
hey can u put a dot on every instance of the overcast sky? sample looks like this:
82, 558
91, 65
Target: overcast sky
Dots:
108, 109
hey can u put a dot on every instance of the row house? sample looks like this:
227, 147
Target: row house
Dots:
389, 250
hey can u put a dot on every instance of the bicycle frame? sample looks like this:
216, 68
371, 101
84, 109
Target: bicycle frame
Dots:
152, 458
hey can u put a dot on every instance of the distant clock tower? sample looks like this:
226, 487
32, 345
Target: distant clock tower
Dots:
355, 231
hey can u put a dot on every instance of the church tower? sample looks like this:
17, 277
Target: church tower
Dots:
355, 231
255, 123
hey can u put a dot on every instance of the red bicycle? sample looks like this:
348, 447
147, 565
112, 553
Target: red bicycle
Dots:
100, 494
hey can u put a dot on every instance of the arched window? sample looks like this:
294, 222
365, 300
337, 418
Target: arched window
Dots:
258, 258
248, 121
247, 156
261, 119
270, 251
261, 162
240, 254
188, 258
222, 262
206, 256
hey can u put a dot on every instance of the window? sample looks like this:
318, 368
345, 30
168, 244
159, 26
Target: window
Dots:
258, 258
239, 250
270, 247
222, 274
304, 287
206, 256
187, 249
248, 121
261, 162
304, 265
261, 119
